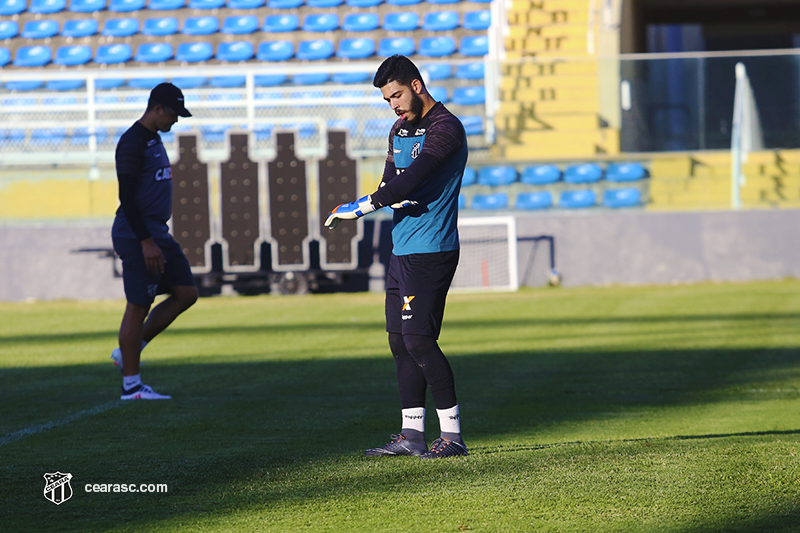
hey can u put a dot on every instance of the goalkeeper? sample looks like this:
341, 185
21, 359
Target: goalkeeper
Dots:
421, 182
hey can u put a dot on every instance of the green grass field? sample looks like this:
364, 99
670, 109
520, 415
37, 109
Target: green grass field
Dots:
669, 409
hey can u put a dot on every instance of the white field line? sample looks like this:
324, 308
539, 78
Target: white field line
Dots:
33, 430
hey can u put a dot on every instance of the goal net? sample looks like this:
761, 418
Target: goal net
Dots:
488, 259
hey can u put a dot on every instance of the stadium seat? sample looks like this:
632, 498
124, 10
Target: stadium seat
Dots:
474, 95
348, 124
378, 127
33, 56
39, 29
225, 82
577, 199
470, 71
189, 82
621, 172
280, 23
12, 7
47, 7
109, 83
436, 46
154, 52
24, 85
405, 21
404, 46
124, 27
194, 52
244, 4
81, 135
310, 78
126, 6
495, 176
474, 45
626, 197
284, 4
480, 1
206, 4
351, 77
324, 3
473, 124
440, 21
356, 48
485, 202
363, 3
440, 94
540, 174
87, 6
165, 5
79, 28
361, 22
8, 29
477, 20
240, 25
5, 56
534, 200
214, 133
160, 26
275, 51
316, 49
205, 25
584, 173
112, 54
270, 80
145, 83
263, 131
470, 177
443, 1
60, 100
72, 55
438, 71
321, 22
65, 85
403, 2
235, 52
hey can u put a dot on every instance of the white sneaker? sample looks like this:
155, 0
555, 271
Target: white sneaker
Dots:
142, 392
116, 358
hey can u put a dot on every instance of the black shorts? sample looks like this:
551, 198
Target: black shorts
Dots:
416, 290
142, 286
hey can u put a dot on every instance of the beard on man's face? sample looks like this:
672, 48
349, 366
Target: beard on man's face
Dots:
416, 108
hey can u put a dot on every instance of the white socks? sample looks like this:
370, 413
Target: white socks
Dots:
448, 420
414, 418
129, 382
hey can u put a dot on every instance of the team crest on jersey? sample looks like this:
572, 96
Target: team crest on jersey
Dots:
57, 488
415, 150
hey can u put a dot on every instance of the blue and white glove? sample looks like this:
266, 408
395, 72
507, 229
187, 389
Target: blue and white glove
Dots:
350, 211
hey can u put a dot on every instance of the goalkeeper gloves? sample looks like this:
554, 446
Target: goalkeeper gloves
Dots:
350, 211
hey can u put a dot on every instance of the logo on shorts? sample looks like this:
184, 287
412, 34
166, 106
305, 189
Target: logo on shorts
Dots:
57, 488
152, 290
407, 302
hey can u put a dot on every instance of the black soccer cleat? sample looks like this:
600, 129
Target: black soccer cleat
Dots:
399, 445
443, 447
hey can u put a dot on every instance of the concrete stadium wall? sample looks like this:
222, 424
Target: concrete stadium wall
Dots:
591, 248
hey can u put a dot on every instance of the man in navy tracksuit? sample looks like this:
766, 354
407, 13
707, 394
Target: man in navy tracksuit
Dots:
421, 182
152, 262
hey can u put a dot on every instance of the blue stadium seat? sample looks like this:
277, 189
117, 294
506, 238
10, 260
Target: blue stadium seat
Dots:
126, 6
194, 52
275, 51
361, 22
205, 25
72, 55
626, 197
621, 172
113, 54
109, 83
363, 3
160, 26
438, 71
324, 3
540, 174
60, 100
48, 136
39, 29
495, 176
284, 4
124, 27
348, 124
33, 56
534, 200
47, 7
477, 20
79, 28
480, 1
154, 52
474, 45
473, 124
487, 202
470, 71
577, 199
403, 2
470, 177
404, 46
443, 1
65, 85
440, 21
316, 49
439, 94
206, 4
80, 136
436, 46
226, 82
583, 173
13, 135
214, 133
12, 7
310, 78
462, 201
87, 6
245, 4
240, 25
404, 21
263, 131
24, 85
321, 22
235, 51
5, 56
280, 23
351, 77
378, 127
189, 82
9, 29
474, 95
145, 83
165, 5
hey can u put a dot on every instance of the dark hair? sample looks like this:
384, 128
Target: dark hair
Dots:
397, 68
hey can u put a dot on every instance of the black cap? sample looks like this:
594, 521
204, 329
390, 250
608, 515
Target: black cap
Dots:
169, 96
